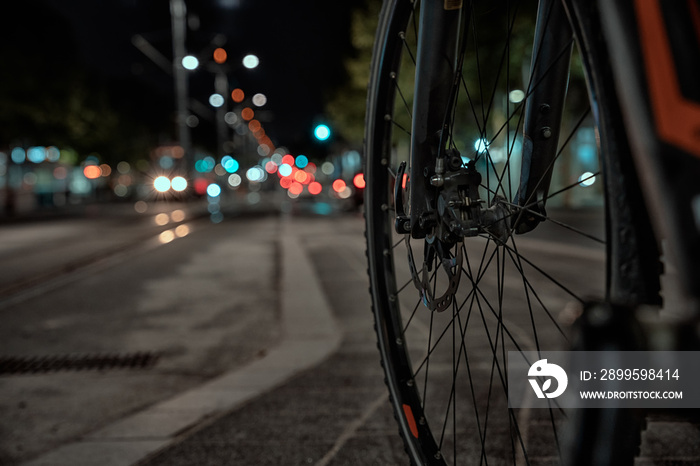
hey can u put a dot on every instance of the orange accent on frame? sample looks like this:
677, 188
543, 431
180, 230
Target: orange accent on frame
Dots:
411, 420
695, 15
677, 119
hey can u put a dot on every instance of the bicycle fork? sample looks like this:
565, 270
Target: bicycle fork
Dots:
444, 192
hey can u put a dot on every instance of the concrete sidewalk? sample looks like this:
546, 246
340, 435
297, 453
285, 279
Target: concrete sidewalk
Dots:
309, 334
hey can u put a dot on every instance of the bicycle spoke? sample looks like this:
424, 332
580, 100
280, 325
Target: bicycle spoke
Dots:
578, 231
571, 186
408, 282
427, 362
403, 99
559, 152
398, 125
537, 297
408, 323
548, 276
408, 49
444, 331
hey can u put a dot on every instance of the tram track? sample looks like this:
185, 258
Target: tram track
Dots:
145, 235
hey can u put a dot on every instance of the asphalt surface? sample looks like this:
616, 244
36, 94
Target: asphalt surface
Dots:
293, 378
335, 413
199, 302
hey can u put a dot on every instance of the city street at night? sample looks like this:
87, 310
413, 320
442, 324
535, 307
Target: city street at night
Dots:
368, 232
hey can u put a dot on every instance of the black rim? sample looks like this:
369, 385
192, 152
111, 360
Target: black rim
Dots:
446, 370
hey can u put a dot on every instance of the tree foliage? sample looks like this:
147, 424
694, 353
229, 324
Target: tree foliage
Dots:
47, 97
485, 48
346, 107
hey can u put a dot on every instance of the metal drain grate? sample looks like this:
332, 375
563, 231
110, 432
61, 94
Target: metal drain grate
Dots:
76, 362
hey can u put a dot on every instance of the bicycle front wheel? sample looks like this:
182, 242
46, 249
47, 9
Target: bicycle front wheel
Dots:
447, 311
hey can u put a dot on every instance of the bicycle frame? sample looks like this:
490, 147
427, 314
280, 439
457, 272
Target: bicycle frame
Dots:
655, 59
438, 49
546, 92
652, 64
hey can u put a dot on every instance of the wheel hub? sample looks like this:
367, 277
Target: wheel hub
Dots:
460, 214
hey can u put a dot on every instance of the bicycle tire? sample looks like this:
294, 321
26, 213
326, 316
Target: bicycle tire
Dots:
442, 435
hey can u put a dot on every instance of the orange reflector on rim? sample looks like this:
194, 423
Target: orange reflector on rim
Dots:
411, 420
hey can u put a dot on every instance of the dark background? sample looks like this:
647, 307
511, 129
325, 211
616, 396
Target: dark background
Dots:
68, 65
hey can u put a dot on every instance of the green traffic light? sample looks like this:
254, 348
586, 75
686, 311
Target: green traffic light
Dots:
322, 132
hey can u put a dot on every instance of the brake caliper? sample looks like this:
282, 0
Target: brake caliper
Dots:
459, 205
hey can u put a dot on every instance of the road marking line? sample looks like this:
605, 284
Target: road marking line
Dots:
352, 429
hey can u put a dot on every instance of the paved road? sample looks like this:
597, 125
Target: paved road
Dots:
226, 390
202, 301
336, 413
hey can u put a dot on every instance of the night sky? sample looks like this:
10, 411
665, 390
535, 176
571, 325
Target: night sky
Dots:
300, 44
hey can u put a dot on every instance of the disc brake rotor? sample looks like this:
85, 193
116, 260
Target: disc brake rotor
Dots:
451, 266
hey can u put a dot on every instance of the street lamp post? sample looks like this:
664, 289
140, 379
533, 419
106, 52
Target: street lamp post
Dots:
221, 88
178, 13
180, 66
